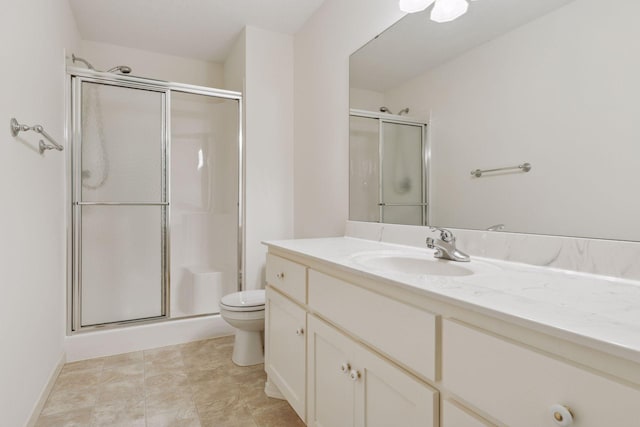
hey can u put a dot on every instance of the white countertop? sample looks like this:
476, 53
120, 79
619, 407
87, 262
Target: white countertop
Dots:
599, 312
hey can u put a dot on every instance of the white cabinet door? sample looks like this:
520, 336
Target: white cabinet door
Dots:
285, 349
351, 386
330, 391
387, 396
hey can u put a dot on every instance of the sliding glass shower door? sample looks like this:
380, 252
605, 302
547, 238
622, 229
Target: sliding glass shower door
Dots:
157, 199
120, 202
388, 169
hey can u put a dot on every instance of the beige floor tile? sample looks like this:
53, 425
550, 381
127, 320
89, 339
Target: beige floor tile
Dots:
188, 385
77, 380
183, 417
165, 380
124, 359
65, 400
83, 366
230, 416
76, 418
130, 389
126, 373
129, 412
162, 353
281, 415
163, 365
172, 399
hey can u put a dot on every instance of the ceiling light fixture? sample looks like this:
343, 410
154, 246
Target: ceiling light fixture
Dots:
448, 10
443, 10
413, 6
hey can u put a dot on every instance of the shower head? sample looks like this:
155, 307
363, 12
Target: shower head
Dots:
403, 111
385, 110
124, 69
74, 58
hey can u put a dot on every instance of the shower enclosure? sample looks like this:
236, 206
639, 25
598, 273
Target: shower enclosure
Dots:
156, 199
388, 165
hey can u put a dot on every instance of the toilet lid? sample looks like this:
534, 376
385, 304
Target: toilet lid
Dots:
245, 300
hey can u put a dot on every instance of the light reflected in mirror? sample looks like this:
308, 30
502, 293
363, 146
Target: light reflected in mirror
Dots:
552, 83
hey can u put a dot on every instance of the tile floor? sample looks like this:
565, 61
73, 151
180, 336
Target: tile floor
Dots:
188, 385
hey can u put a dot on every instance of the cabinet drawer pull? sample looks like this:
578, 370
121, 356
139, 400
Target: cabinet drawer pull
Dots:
345, 368
562, 415
280, 276
299, 331
354, 375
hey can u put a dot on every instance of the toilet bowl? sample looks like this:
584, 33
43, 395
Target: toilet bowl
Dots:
245, 312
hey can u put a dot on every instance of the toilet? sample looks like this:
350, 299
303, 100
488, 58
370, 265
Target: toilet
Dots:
245, 312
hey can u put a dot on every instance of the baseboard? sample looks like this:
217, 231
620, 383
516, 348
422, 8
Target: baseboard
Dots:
35, 414
272, 391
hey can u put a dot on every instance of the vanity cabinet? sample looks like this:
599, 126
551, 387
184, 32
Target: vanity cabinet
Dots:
352, 350
285, 325
519, 386
350, 385
454, 415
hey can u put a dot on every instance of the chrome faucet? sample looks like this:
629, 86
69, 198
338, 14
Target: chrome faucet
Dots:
446, 246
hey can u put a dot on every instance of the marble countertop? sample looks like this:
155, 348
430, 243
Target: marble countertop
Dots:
599, 312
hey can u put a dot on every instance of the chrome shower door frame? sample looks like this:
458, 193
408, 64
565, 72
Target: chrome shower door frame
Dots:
75, 78
383, 118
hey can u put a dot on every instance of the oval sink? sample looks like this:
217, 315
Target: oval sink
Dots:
417, 264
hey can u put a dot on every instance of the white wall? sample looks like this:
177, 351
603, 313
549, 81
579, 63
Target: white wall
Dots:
152, 65
33, 35
364, 99
560, 92
322, 48
269, 145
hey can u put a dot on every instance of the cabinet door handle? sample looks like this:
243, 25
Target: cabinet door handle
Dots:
299, 331
561, 415
280, 276
345, 368
354, 375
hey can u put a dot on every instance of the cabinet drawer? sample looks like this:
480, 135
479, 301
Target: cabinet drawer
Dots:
288, 277
454, 416
402, 332
518, 386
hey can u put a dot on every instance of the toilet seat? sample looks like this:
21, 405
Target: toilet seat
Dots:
244, 301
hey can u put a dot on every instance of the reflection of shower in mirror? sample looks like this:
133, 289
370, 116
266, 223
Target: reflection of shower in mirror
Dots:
384, 109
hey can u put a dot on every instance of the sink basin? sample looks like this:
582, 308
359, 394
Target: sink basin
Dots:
410, 263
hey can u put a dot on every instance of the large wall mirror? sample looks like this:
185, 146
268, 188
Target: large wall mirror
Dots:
547, 89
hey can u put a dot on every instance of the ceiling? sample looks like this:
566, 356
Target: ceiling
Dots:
415, 44
199, 29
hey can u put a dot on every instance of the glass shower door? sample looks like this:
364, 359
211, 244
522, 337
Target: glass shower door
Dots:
120, 203
402, 174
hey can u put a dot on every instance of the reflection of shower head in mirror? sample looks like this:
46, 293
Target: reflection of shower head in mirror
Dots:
384, 109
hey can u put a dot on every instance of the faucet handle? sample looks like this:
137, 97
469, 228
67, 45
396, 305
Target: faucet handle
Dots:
445, 235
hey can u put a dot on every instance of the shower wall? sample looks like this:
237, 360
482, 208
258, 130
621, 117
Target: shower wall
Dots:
204, 194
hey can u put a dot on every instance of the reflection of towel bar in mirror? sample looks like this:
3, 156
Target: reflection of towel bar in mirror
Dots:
525, 167
401, 204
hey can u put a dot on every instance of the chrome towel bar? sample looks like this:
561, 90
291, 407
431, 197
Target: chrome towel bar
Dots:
16, 128
525, 167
